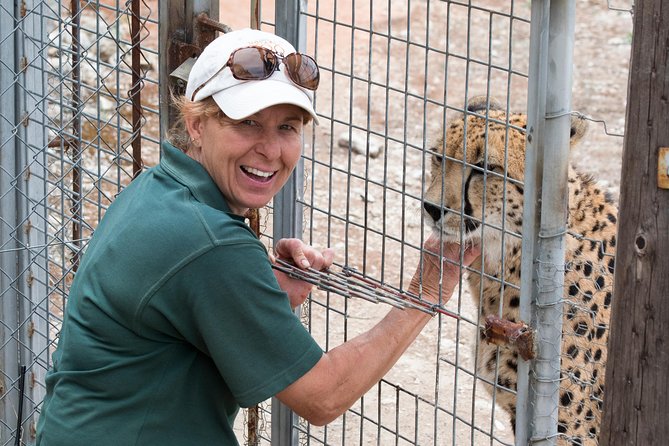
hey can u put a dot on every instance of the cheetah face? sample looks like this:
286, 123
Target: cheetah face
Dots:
475, 188
469, 199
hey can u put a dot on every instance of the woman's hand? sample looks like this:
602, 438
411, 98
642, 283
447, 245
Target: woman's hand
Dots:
444, 274
303, 256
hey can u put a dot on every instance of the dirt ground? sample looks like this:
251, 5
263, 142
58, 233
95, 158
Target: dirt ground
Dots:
393, 96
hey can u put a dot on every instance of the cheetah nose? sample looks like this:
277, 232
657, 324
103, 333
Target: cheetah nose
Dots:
434, 211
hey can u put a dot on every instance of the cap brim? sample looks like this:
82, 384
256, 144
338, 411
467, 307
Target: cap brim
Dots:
235, 101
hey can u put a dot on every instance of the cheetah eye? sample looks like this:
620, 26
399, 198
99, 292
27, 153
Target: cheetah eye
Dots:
437, 160
478, 168
481, 168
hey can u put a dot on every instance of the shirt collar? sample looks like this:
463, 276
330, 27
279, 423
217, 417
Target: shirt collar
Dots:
192, 175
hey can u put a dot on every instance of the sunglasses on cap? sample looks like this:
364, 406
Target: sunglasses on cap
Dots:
255, 63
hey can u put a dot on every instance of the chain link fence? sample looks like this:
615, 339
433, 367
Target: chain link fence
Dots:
78, 119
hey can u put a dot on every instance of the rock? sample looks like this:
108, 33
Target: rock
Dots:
357, 142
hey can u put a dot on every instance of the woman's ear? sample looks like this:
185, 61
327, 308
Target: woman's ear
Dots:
194, 127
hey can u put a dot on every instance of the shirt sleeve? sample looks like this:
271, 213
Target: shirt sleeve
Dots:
228, 304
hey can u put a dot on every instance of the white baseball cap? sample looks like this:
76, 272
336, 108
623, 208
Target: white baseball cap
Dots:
241, 98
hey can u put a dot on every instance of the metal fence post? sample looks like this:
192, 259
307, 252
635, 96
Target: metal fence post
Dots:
287, 219
33, 137
544, 219
23, 242
9, 345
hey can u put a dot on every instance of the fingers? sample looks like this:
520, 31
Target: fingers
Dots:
327, 257
471, 254
440, 268
451, 251
303, 255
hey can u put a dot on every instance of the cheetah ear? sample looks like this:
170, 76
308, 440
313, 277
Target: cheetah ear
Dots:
480, 103
579, 126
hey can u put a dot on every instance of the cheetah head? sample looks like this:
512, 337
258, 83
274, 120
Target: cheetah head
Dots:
475, 189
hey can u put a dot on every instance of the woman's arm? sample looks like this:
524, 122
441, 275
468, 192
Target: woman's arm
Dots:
348, 371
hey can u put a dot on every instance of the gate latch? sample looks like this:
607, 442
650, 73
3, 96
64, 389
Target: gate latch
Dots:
183, 54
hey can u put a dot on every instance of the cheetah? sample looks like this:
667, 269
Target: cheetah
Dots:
482, 202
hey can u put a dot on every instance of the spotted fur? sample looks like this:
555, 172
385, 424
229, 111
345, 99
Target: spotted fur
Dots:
483, 199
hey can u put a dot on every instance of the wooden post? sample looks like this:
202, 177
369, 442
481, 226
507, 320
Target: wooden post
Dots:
637, 375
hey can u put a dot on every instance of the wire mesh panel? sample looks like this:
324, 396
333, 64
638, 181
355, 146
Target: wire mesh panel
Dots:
394, 73
394, 76
79, 120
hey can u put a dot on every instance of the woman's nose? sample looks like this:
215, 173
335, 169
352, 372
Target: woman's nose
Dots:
269, 147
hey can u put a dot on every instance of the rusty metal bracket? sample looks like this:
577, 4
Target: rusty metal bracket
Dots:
204, 31
516, 335
67, 142
663, 168
185, 53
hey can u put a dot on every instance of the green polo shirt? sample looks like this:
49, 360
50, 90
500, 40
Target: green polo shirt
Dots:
174, 320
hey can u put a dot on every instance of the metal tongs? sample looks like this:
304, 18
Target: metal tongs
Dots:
348, 282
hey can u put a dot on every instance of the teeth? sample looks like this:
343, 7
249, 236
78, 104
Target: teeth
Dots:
258, 173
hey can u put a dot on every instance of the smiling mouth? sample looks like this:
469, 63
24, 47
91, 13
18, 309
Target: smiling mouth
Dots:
257, 174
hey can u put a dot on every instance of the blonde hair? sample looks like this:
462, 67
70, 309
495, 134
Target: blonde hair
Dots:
178, 135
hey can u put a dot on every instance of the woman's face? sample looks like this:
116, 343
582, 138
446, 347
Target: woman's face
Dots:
250, 159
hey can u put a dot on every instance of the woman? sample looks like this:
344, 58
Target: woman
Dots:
175, 318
